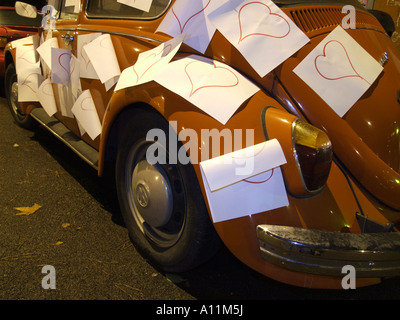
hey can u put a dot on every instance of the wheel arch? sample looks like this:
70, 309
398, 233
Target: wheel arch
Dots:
113, 127
8, 59
9, 55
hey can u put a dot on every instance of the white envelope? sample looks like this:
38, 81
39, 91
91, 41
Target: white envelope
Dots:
232, 196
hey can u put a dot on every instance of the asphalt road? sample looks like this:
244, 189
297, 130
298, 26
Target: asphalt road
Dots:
78, 230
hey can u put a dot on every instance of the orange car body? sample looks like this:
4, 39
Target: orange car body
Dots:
366, 165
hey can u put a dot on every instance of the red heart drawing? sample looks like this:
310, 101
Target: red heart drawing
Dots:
182, 27
87, 104
26, 58
48, 89
64, 60
30, 12
219, 78
336, 71
163, 52
26, 81
264, 179
261, 13
106, 43
86, 61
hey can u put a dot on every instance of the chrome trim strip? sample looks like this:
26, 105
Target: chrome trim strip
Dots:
373, 255
125, 34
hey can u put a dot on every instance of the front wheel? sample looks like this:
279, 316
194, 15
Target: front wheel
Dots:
11, 90
162, 205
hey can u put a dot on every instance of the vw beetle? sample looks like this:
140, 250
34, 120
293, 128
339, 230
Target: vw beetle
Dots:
341, 175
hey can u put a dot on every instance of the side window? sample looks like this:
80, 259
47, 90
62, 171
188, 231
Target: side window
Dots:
69, 9
114, 10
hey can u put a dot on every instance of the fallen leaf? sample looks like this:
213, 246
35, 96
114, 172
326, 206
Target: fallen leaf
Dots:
65, 225
16, 145
174, 278
58, 243
26, 211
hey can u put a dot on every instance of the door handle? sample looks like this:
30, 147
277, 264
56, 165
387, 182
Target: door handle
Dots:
68, 38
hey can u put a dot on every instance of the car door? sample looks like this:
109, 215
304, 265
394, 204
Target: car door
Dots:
128, 30
63, 29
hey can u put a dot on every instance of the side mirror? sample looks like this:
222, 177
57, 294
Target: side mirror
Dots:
25, 10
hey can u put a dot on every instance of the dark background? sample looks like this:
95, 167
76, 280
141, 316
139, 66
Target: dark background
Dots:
37, 3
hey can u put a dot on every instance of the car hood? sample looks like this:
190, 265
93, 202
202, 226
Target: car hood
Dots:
376, 116
366, 140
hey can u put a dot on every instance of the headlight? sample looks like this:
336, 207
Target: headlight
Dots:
313, 152
3, 42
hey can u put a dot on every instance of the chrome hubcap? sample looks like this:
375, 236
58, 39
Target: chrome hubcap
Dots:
156, 197
152, 194
14, 98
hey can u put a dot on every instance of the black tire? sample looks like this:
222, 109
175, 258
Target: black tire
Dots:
11, 91
178, 235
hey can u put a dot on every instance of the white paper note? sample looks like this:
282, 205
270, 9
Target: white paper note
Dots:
25, 10
60, 66
261, 32
99, 50
65, 98
31, 40
85, 111
75, 80
339, 70
214, 87
148, 64
29, 80
143, 5
232, 196
46, 97
85, 66
45, 50
26, 58
190, 17
75, 3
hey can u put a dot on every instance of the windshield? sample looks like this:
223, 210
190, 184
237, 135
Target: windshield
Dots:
8, 17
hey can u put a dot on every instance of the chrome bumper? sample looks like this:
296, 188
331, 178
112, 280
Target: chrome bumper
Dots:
373, 255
